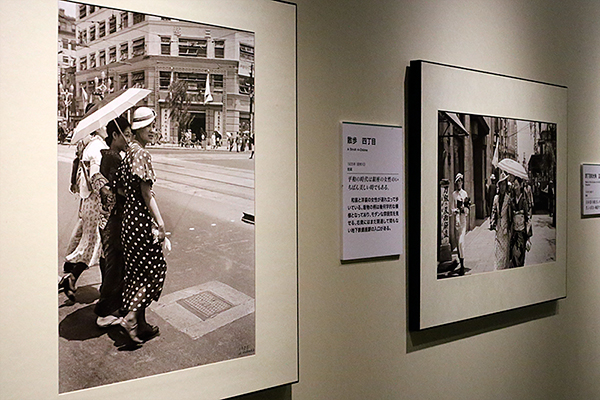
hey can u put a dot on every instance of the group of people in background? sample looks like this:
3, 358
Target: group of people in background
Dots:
120, 225
510, 202
239, 141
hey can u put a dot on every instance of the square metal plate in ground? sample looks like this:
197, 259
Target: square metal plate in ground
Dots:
219, 303
205, 304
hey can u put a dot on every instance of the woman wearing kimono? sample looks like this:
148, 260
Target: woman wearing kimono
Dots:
521, 225
501, 222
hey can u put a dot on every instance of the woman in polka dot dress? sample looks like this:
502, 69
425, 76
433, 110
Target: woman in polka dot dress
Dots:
143, 231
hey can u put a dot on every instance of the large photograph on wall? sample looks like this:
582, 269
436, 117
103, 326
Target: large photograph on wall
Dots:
156, 248
486, 193
168, 102
496, 193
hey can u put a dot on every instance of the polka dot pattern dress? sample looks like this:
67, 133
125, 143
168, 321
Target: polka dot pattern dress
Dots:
145, 266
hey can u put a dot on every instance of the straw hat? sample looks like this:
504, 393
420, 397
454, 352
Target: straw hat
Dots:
142, 116
459, 176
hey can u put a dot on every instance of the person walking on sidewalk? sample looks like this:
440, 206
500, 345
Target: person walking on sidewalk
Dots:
112, 264
520, 241
460, 201
501, 222
143, 231
83, 249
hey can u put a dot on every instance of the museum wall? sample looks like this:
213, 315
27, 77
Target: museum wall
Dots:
354, 344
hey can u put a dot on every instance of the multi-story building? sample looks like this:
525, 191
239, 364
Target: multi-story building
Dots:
121, 49
66, 65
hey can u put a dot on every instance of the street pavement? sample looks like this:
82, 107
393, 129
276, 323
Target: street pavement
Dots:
206, 311
480, 245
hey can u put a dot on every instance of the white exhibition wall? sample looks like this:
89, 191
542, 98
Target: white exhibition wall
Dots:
354, 345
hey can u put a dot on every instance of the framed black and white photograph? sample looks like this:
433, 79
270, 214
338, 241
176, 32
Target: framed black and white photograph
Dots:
487, 193
170, 204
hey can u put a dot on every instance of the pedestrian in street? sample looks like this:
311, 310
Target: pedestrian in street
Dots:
521, 225
112, 263
251, 146
143, 231
490, 193
501, 222
460, 201
83, 249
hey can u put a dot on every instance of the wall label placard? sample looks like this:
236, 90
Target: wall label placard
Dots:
590, 190
373, 191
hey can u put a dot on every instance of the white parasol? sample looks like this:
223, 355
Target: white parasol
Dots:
513, 167
107, 112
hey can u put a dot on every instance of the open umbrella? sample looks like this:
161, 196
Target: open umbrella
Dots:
103, 113
513, 167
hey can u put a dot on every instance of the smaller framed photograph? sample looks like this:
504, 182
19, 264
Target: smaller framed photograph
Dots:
590, 190
486, 198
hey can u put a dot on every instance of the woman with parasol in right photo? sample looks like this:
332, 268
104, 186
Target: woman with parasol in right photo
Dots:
511, 216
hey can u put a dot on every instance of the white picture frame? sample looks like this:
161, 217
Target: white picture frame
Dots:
28, 345
437, 87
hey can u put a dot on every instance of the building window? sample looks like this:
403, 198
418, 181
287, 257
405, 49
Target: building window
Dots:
92, 60
137, 18
101, 29
245, 85
192, 47
165, 80
124, 51
138, 47
112, 54
83, 36
92, 33
122, 81
83, 63
66, 60
138, 79
217, 81
92, 9
195, 82
82, 11
246, 53
124, 20
219, 49
102, 57
65, 43
112, 24
165, 45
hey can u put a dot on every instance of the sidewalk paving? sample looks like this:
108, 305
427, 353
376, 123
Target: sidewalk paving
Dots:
480, 246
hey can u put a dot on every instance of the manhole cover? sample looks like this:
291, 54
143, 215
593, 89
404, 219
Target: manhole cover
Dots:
205, 305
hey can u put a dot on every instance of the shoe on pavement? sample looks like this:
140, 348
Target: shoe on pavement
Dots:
109, 320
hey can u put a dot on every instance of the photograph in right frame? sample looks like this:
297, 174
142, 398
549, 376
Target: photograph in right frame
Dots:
496, 197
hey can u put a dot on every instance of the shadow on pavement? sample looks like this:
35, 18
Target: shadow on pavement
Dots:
80, 325
83, 295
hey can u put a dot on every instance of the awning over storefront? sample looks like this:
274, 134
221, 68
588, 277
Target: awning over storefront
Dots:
453, 118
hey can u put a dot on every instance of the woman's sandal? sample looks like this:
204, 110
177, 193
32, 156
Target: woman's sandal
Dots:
67, 285
132, 331
151, 332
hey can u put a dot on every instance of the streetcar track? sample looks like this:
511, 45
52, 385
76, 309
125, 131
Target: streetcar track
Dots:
206, 179
167, 183
231, 173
